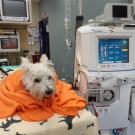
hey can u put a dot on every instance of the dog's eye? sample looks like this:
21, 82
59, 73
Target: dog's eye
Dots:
37, 80
49, 77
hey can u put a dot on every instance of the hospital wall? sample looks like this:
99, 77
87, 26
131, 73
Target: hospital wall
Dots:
63, 57
35, 14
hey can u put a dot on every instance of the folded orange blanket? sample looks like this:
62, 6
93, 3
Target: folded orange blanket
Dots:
15, 100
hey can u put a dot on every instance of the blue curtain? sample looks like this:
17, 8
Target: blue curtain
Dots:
44, 37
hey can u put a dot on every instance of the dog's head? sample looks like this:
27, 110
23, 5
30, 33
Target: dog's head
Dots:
39, 78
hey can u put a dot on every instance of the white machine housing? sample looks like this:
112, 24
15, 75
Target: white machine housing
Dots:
87, 46
119, 76
117, 12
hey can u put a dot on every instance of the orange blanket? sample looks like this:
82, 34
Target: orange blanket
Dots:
15, 100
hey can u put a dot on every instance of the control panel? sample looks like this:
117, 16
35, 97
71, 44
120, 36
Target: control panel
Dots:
113, 50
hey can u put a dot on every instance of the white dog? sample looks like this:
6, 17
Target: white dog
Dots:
39, 78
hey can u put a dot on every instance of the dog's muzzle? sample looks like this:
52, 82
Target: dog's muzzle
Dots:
49, 91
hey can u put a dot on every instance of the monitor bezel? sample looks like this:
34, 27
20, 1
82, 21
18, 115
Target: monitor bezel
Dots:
13, 18
10, 37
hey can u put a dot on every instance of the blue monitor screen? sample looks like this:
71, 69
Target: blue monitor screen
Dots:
113, 50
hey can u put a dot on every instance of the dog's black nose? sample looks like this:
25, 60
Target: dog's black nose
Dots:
48, 92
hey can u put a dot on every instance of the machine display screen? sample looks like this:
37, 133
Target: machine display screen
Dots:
113, 50
19, 7
9, 43
119, 11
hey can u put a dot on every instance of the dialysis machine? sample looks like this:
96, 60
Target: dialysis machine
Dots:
105, 62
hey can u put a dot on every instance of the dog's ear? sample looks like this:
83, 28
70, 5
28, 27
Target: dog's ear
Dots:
46, 61
25, 63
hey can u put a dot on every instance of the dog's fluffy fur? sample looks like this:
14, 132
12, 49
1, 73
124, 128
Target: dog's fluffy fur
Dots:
39, 78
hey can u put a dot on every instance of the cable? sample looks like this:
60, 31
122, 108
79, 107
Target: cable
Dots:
76, 80
95, 111
67, 20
